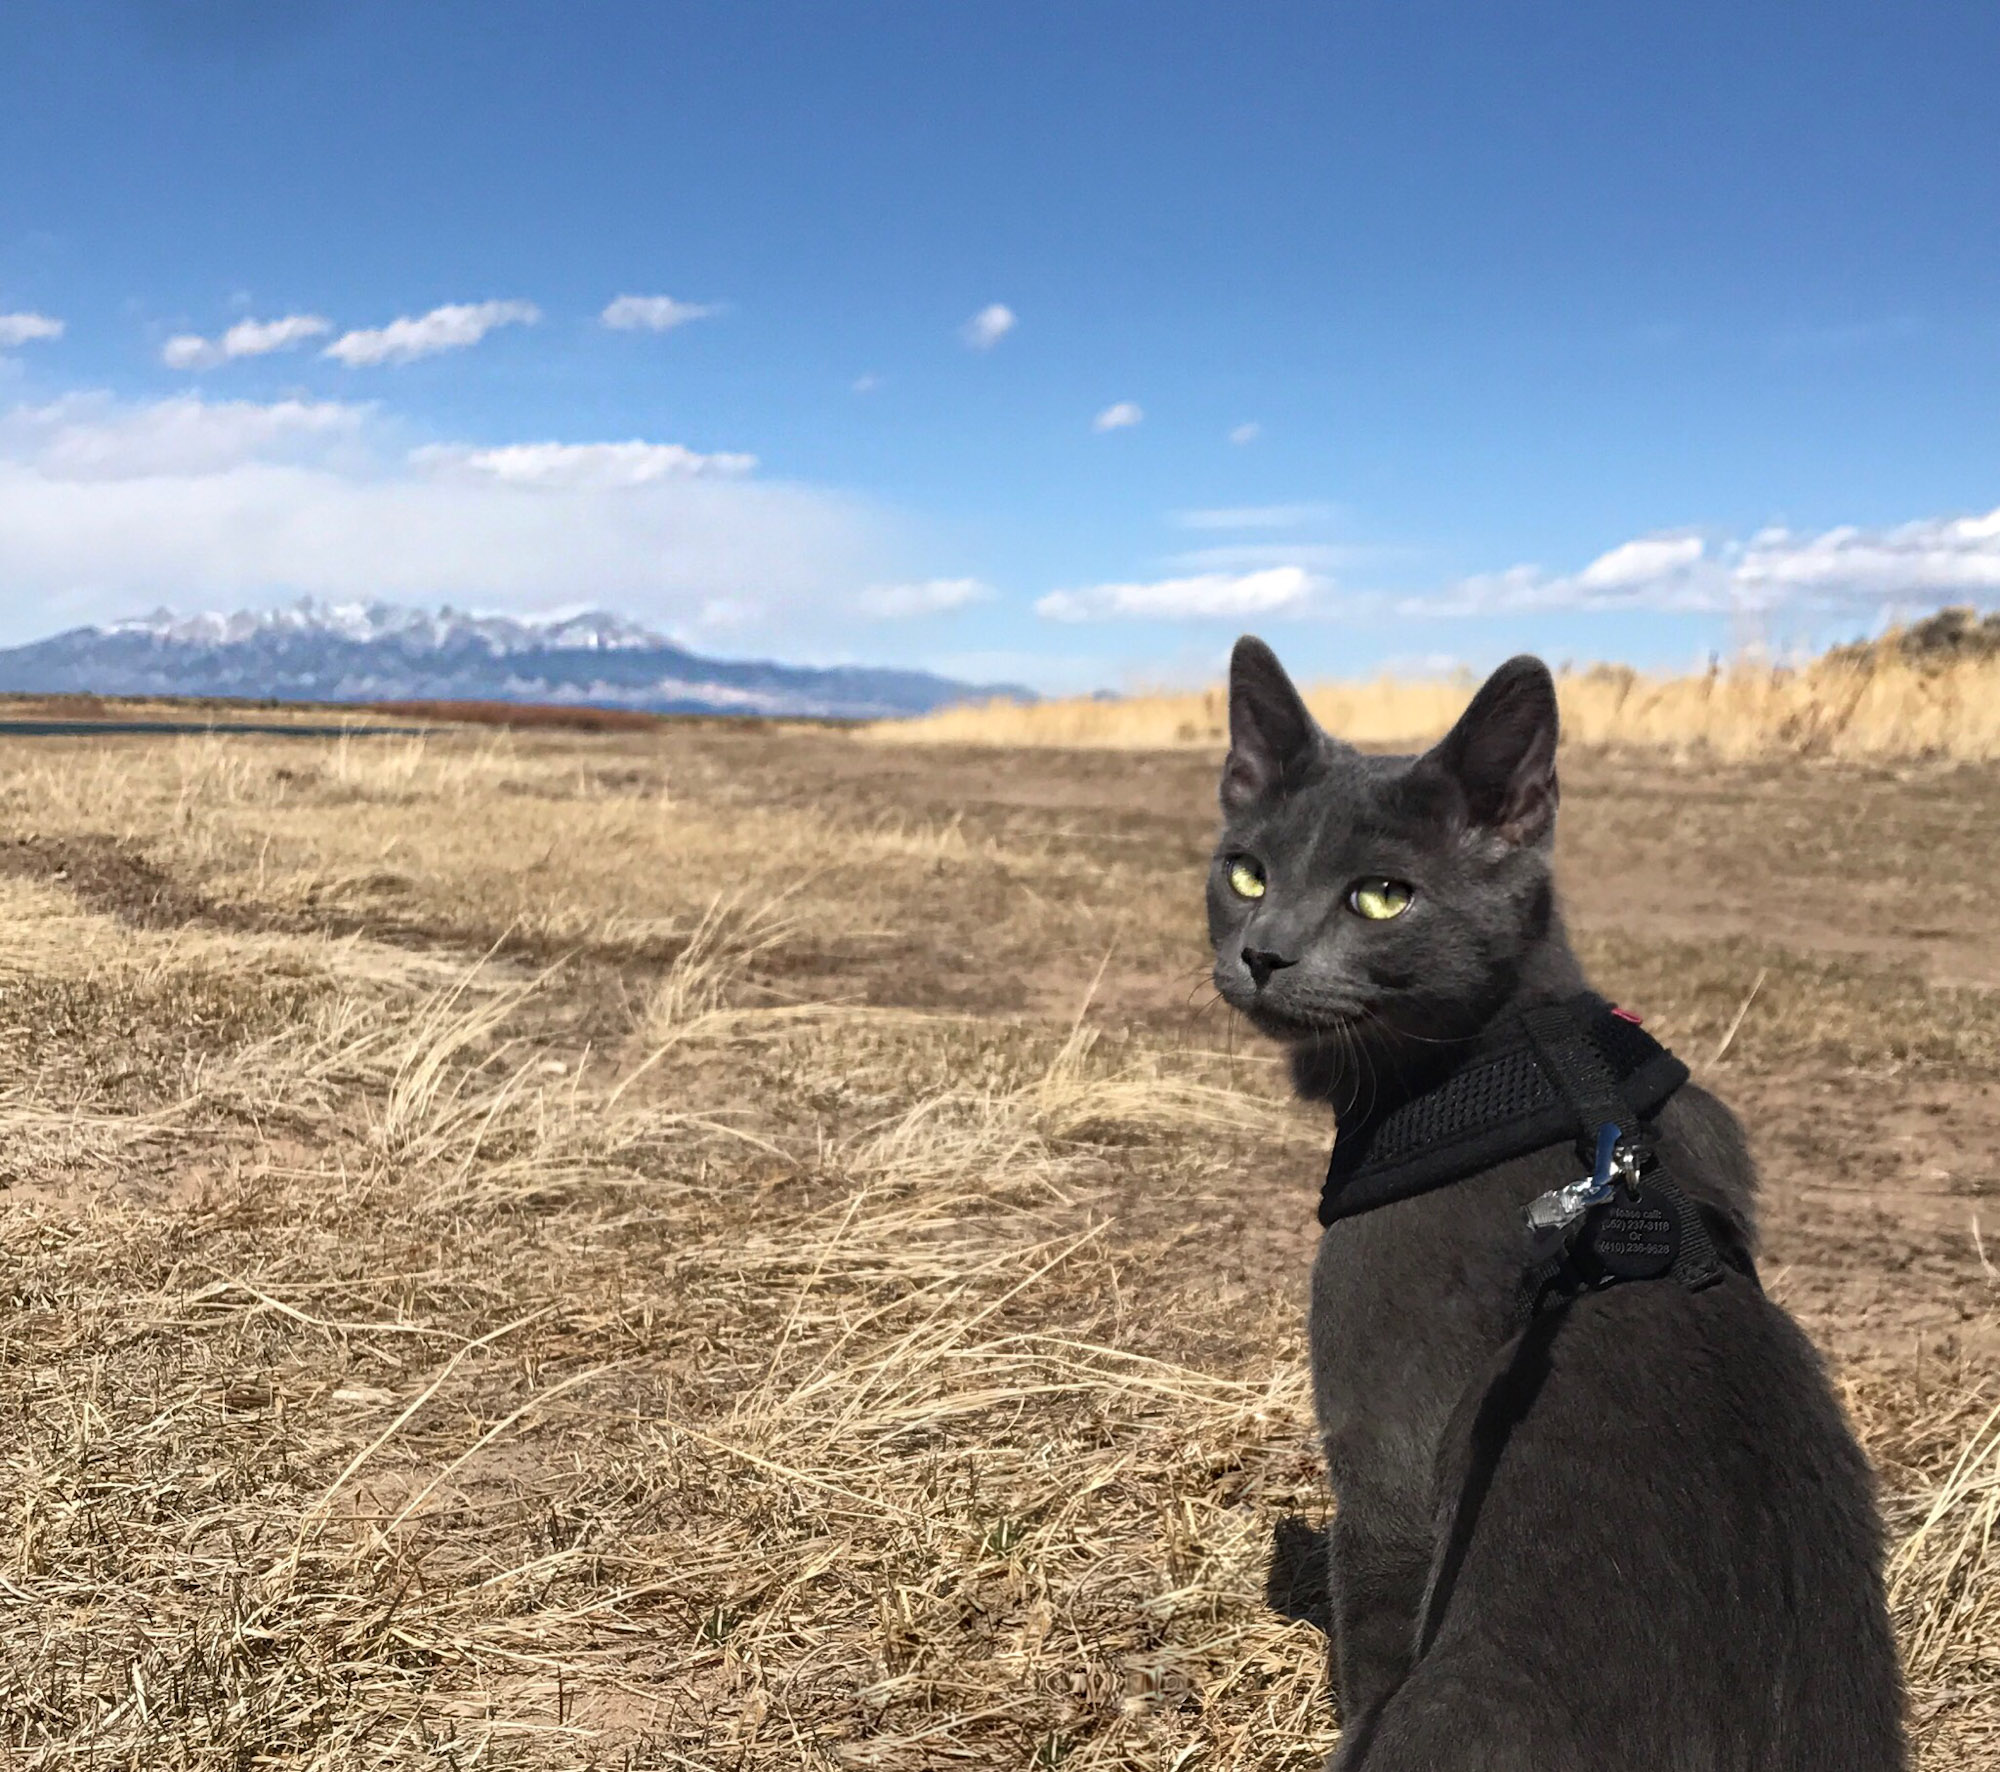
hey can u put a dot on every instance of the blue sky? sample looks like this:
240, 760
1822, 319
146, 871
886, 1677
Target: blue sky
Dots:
1434, 331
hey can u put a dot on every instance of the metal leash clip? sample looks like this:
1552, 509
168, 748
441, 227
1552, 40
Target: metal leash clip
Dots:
1617, 1161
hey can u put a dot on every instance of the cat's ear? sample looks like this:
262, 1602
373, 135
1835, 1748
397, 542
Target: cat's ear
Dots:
1502, 753
1271, 736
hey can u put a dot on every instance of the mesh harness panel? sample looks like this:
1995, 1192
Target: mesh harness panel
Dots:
1503, 1101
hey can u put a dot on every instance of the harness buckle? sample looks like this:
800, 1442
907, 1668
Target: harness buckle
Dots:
1618, 1161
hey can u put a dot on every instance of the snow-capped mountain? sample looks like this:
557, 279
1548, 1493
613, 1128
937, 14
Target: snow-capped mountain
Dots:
422, 629
355, 652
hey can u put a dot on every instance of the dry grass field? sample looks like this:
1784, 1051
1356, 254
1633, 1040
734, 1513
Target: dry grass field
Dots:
754, 1248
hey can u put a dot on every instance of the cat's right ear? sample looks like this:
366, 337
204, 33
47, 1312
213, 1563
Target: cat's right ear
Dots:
1502, 753
1272, 738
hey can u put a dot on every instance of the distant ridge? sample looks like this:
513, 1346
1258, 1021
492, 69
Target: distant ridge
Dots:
383, 652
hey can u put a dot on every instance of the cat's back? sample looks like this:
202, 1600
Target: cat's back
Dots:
1656, 1541
1660, 1550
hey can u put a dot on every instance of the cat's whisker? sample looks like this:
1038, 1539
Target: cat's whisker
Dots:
1365, 1052
1412, 1035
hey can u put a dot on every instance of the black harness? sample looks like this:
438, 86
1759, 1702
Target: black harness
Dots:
1579, 1070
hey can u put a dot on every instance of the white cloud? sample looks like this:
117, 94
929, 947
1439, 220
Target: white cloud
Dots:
1256, 517
866, 384
449, 328
1642, 562
1246, 433
932, 596
988, 327
247, 338
653, 313
1933, 560
108, 507
573, 466
28, 329
1213, 594
1120, 417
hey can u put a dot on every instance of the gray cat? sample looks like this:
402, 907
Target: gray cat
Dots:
1632, 1531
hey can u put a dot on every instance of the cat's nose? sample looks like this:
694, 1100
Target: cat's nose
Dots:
1262, 963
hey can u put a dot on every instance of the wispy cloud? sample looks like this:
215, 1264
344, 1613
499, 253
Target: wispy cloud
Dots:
1932, 560
653, 313
449, 328
1119, 417
92, 437
866, 384
1256, 516
988, 327
247, 338
107, 506
1843, 570
28, 329
1246, 433
1937, 558
1253, 556
1273, 590
931, 596
573, 466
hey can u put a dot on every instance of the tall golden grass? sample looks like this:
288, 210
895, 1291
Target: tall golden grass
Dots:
1844, 705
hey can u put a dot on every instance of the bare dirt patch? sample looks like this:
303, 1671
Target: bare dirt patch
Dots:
105, 875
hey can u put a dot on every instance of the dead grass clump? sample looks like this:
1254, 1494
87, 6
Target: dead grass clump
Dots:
730, 935
1935, 1439
1883, 706
1944, 1580
95, 1016
1943, 638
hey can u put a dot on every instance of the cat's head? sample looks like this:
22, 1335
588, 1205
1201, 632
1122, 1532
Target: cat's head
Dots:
1360, 904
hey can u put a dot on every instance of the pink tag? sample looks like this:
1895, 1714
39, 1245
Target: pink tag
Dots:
1636, 1019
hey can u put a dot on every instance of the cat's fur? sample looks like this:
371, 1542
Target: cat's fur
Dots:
1661, 1538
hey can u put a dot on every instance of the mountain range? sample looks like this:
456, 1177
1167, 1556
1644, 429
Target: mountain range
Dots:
381, 652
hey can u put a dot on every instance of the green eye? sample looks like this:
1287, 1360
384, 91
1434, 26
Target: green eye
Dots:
1246, 878
1379, 900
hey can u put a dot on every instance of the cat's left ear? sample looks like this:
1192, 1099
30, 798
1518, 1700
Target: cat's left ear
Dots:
1502, 753
1272, 738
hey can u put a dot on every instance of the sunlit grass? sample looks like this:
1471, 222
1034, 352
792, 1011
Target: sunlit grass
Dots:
1837, 707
